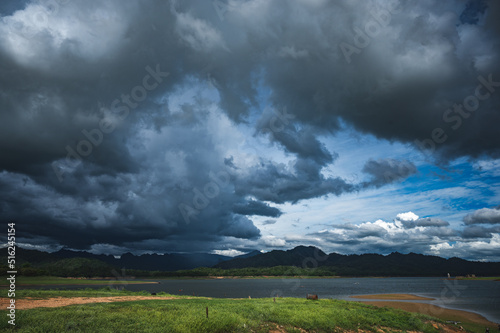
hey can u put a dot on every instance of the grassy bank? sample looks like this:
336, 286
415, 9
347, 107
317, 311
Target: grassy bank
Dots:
88, 292
53, 280
468, 320
225, 315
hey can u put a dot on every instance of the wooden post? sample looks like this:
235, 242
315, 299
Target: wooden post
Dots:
207, 311
274, 299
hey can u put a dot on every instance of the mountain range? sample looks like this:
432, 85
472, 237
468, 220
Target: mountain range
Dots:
147, 262
394, 264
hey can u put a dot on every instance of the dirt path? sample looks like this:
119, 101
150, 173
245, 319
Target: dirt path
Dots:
31, 303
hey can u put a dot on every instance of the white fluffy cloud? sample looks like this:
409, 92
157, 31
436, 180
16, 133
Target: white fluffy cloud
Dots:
428, 236
486, 249
273, 241
408, 216
229, 253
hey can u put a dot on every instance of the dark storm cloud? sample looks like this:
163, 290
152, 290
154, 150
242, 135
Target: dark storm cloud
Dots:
277, 183
278, 124
257, 208
443, 233
431, 222
479, 232
373, 93
473, 10
483, 216
400, 87
8, 7
81, 66
385, 171
425, 222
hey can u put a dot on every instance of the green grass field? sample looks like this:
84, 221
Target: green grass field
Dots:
188, 314
225, 315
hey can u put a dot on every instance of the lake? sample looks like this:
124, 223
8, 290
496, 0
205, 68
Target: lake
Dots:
477, 296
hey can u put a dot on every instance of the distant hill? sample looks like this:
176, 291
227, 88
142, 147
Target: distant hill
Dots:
83, 267
294, 257
247, 255
150, 262
394, 264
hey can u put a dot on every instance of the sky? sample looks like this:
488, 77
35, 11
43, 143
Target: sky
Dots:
227, 126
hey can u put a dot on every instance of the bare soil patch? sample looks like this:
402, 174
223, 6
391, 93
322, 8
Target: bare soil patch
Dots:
31, 303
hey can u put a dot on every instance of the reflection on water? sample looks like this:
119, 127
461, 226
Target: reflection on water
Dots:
478, 296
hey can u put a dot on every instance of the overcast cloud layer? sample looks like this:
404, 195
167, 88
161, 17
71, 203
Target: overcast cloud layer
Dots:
165, 126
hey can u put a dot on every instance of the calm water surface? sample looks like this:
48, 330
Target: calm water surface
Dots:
478, 296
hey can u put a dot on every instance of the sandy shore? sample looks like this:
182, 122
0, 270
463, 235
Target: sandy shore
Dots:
391, 300
401, 297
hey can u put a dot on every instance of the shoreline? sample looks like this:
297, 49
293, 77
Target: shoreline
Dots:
403, 302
